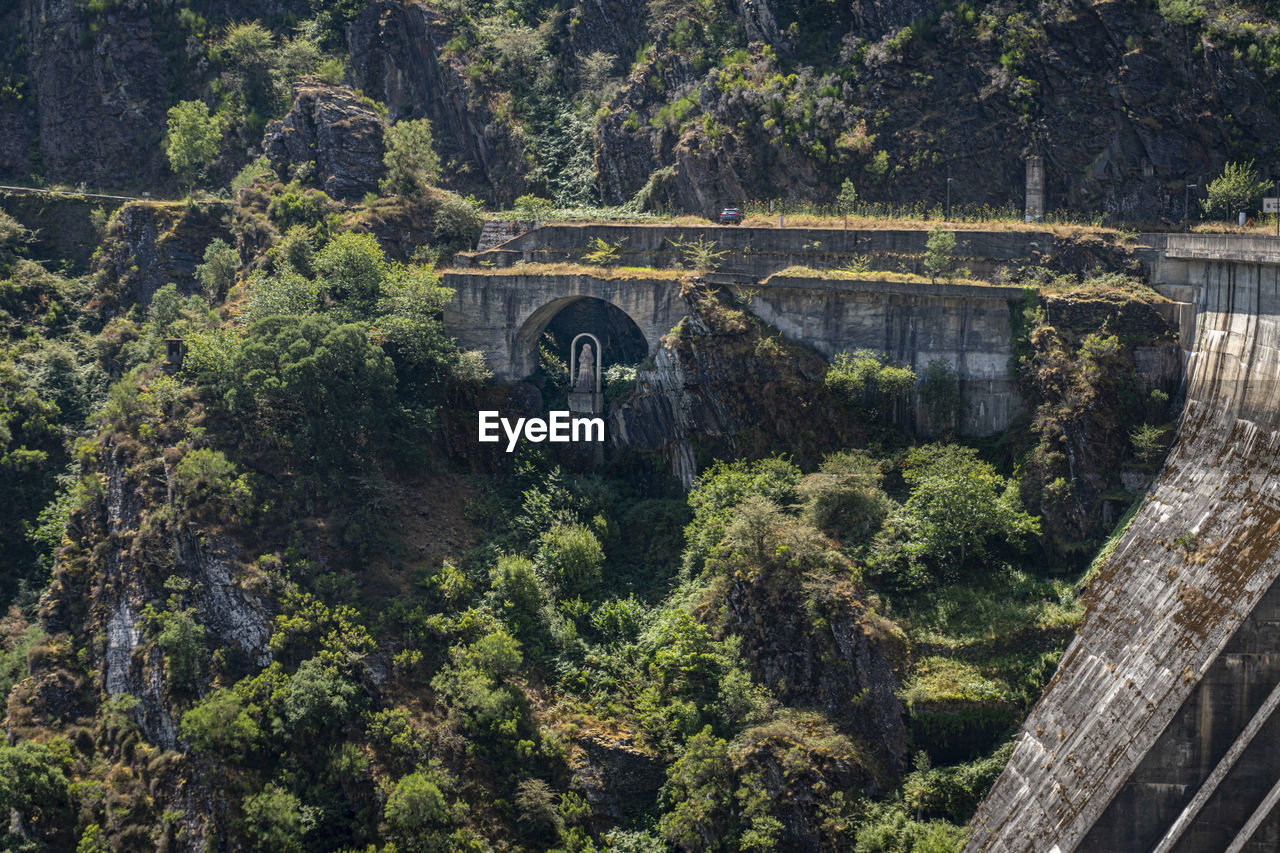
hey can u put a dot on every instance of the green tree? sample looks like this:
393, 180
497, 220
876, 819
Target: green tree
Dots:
93, 840
182, 639
416, 812
939, 254
517, 591
569, 557
959, 503
218, 272
221, 724
847, 199
869, 381
1147, 442
720, 489
319, 696
1237, 189
698, 796
307, 384
410, 159
273, 820
284, 292
351, 270
34, 789
249, 58
193, 140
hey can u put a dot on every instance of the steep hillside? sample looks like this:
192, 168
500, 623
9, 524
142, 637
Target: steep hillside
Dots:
691, 106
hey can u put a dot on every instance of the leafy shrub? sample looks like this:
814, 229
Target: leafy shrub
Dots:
410, 159
415, 812
193, 140
604, 254
473, 689
299, 205
569, 558
844, 496
1237, 189
939, 252
221, 724
283, 293
351, 270
218, 272
618, 620
533, 209
296, 250
698, 795
725, 485
310, 385
1147, 442
207, 475
536, 812
457, 222
867, 379
319, 697
517, 591
182, 640
273, 820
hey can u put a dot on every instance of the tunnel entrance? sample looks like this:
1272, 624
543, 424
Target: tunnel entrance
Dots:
621, 342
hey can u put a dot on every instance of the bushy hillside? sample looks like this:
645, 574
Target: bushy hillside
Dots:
672, 104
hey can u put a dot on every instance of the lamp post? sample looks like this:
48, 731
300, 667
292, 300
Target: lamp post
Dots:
949, 180
1186, 206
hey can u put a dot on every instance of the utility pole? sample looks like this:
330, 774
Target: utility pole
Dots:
949, 180
1186, 206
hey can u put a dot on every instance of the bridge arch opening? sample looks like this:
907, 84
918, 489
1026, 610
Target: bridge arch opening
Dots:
558, 322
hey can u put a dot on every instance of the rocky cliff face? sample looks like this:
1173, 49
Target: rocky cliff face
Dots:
722, 386
332, 138
395, 51
150, 245
99, 90
758, 101
126, 553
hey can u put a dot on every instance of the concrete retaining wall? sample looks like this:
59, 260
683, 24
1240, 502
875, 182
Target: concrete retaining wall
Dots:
913, 323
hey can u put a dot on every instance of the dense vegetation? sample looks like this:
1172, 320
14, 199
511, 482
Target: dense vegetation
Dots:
274, 598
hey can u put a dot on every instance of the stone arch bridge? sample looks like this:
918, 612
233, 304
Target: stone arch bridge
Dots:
503, 313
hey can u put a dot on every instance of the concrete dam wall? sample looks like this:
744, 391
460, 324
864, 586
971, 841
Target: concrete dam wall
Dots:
1157, 732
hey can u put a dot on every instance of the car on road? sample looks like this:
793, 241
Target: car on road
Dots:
731, 216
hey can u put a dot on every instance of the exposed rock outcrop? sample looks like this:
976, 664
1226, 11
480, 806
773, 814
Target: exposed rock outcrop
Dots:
831, 652
150, 245
332, 137
395, 49
723, 387
100, 94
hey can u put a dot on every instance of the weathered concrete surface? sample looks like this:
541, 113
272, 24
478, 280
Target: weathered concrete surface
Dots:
1175, 653
965, 325
503, 313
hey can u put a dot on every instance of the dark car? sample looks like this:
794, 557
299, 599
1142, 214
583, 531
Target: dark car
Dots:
731, 216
